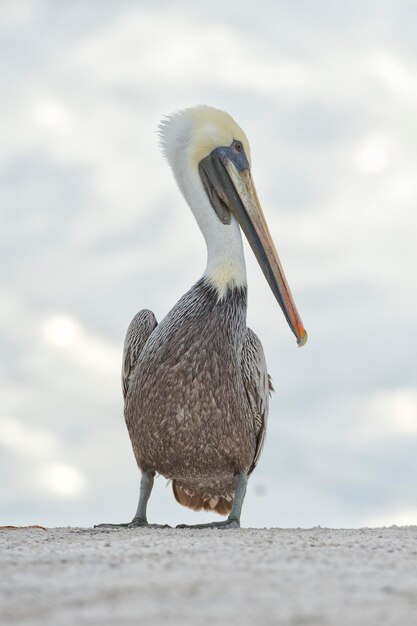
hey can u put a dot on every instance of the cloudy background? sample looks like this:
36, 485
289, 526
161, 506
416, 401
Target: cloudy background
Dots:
92, 229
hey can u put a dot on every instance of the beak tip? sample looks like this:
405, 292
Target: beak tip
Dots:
301, 341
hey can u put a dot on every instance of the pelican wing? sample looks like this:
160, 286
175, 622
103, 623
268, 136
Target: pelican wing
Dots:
140, 329
258, 387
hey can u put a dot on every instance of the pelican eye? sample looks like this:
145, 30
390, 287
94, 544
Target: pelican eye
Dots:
238, 146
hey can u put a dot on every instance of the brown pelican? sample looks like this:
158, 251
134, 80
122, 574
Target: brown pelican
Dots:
196, 386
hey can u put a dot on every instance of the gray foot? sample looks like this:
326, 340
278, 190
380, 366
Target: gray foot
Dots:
111, 525
135, 523
154, 526
138, 522
224, 525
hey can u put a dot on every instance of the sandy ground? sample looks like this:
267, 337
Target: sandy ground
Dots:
104, 577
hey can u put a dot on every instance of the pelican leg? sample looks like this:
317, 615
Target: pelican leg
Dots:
140, 519
233, 521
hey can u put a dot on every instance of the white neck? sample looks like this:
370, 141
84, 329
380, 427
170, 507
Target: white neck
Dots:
225, 260
226, 267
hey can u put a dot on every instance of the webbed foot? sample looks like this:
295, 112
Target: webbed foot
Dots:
110, 525
137, 522
223, 525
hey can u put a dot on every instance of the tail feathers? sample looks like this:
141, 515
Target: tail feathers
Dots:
219, 504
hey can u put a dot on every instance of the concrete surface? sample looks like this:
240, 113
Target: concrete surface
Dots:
74, 576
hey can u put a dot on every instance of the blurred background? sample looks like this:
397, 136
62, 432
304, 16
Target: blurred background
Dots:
93, 229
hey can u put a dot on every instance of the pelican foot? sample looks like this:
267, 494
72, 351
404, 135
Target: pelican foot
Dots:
137, 522
224, 525
111, 525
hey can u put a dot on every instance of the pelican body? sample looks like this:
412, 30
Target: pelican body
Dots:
196, 385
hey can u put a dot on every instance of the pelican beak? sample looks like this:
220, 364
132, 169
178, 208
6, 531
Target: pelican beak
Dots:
230, 187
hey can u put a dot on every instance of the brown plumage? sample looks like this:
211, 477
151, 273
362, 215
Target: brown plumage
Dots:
197, 394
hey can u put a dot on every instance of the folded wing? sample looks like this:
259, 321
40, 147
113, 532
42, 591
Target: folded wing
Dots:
140, 329
258, 387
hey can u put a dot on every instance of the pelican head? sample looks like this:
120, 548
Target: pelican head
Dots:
210, 158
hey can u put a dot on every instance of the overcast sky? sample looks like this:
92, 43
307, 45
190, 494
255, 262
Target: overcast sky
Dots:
93, 229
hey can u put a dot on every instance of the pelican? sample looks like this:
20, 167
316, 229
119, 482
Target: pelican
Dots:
196, 385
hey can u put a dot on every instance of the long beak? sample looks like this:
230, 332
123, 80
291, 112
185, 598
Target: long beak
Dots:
237, 192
